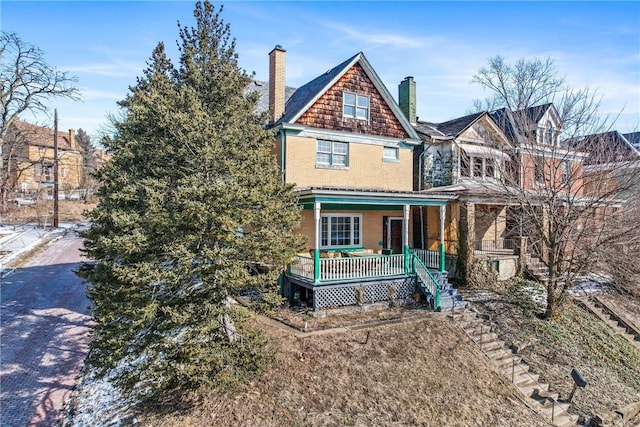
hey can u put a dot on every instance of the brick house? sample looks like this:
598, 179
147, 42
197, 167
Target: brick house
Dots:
484, 159
29, 158
346, 146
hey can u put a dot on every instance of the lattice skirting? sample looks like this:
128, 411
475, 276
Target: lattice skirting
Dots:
363, 293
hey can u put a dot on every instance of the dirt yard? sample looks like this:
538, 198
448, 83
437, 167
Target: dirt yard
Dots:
421, 372
609, 363
42, 212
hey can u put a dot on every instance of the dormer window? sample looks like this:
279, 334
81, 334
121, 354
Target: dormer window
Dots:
549, 134
355, 106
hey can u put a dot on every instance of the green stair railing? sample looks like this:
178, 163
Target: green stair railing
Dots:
429, 283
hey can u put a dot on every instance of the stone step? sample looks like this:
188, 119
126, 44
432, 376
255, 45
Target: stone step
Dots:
507, 362
493, 345
525, 379
499, 354
544, 397
548, 406
515, 370
467, 323
528, 389
485, 338
478, 329
564, 420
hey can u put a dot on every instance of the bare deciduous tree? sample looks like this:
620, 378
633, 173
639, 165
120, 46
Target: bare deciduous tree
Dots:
559, 196
28, 83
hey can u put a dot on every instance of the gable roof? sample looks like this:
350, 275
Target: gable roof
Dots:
633, 138
507, 119
453, 128
262, 87
306, 95
42, 136
606, 147
456, 126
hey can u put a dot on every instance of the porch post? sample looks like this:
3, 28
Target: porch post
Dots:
316, 252
443, 213
405, 238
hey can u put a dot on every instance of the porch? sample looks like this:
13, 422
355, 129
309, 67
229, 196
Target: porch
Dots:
347, 266
361, 248
370, 278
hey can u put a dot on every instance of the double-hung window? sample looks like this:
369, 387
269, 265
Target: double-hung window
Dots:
332, 153
355, 106
566, 171
341, 230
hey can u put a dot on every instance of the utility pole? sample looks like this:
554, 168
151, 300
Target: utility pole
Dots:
55, 168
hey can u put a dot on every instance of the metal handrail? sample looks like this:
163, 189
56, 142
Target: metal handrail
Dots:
427, 279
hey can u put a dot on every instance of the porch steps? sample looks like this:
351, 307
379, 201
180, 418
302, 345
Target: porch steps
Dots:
514, 368
537, 268
607, 314
449, 298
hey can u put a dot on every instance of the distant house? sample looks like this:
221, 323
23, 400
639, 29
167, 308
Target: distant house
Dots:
612, 163
345, 144
28, 155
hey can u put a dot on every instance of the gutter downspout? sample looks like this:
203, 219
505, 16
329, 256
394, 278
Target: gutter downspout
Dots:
421, 167
282, 154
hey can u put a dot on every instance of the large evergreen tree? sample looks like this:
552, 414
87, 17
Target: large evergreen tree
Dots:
189, 200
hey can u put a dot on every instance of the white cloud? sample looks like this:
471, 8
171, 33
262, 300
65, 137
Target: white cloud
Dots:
107, 69
91, 94
375, 39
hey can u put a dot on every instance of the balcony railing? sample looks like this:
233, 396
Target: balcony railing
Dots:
495, 246
360, 266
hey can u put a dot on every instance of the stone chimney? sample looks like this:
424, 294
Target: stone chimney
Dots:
407, 98
72, 139
276, 83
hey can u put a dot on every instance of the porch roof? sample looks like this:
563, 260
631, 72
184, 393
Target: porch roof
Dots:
370, 197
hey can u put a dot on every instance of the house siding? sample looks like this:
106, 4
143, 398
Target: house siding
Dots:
366, 169
326, 112
70, 161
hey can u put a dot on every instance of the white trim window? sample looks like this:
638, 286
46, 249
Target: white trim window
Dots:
391, 154
355, 106
332, 153
340, 230
549, 134
566, 172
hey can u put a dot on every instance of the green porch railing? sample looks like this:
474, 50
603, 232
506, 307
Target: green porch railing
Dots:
429, 283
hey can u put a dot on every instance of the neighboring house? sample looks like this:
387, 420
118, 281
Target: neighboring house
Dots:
28, 156
348, 149
612, 165
633, 138
485, 159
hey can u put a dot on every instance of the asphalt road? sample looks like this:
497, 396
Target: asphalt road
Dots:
44, 325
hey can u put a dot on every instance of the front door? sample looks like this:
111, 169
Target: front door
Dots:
394, 235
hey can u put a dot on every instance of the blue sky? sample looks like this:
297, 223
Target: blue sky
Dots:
442, 44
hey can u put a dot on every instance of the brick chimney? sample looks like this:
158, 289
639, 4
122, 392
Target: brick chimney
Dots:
407, 98
276, 83
72, 139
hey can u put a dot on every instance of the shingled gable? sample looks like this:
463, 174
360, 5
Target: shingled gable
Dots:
309, 94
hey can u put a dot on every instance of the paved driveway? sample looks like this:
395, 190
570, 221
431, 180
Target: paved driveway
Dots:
44, 324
